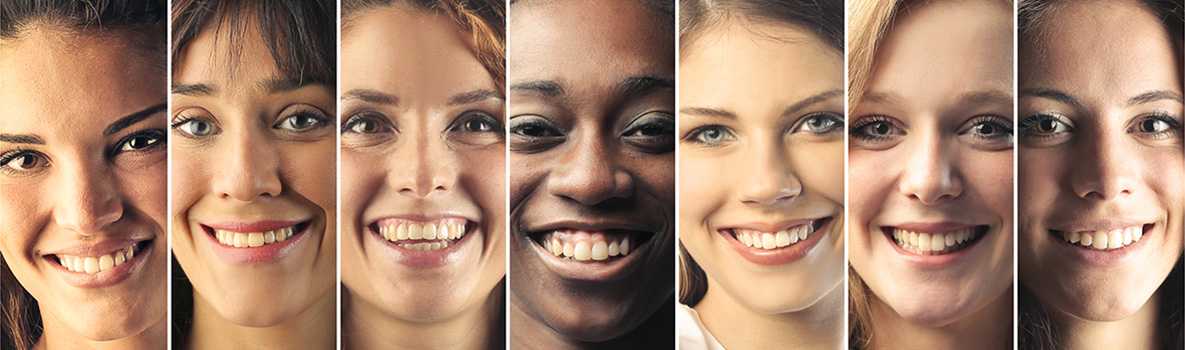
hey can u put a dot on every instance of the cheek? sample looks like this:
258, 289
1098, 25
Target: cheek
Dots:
191, 180
311, 171
484, 171
361, 179
527, 171
703, 187
989, 175
872, 177
146, 189
819, 166
656, 173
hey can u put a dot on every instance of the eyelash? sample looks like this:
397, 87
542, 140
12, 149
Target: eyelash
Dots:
859, 125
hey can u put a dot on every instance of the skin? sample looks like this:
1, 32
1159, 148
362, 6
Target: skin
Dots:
420, 156
784, 169
283, 170
602, 169
1106, 167
81, 187
937, 165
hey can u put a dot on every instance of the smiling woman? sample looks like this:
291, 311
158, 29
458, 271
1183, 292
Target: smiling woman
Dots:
253, 169
82, 174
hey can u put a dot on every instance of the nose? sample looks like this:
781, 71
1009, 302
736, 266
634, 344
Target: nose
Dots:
1102, 168
424, 165
89, 199
589, 175
252, 168
770, 181
929, 177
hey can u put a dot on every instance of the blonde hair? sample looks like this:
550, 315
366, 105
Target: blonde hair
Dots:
869, 22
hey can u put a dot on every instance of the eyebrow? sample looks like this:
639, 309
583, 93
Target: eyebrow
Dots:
1053, 94
1156, 95
282, 84
986, 97
549, 88
193, 89
642, 85
473, 96
29, 139
371, 96
132, 119
789, 110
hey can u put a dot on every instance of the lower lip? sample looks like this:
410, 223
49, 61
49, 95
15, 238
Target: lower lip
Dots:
591, 271
106, 278
262, 254
784, 255
425, 259
1103, 258
933, 261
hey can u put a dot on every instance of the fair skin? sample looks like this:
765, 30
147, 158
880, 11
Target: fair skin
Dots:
82, 173
930, 155
773, 113
277, 136
422, 138
592, 159
1103, 150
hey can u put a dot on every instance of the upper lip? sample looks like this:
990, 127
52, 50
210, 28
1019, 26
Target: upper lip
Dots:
96, 248
1090, 224
591, 224
252, 226
771, 226
423, 217
932, 226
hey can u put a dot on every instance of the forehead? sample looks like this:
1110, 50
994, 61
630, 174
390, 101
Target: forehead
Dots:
53, 80
227, 55
937, 50
1096, 49
590, 43
407, 50
748, 62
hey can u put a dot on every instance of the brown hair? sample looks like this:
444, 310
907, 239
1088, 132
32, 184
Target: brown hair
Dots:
142, 21
1036, 329
484, 20
824, 18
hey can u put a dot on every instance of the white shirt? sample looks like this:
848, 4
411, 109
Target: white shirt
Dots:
692, 333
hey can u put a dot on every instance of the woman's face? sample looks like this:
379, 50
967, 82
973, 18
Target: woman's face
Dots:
82, 179
253, 199
931, 163
592, 153
1100, 159
423, 149
771, 111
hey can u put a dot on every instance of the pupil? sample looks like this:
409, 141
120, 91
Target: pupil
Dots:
986, 129
881, 129
1047, 125
1150, 126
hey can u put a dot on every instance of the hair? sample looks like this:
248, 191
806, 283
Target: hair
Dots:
302, 39
1036, 329
823, 18
483, 20
872, 21
300, 35
142, 22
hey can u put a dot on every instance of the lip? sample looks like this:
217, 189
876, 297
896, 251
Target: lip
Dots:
934, 261
144, 249
261, 254
425, 259
593, 271
780, 256
1105, 258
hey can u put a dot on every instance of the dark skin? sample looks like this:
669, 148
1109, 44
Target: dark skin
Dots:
592, 141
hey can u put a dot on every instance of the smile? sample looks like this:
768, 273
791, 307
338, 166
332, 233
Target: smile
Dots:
1104, 239
95, 264
936, 243
422, 235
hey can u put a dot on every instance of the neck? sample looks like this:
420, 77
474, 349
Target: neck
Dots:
819, 326
987, 328
311, 329
59, 336
367, 327
529, 333
1138, 331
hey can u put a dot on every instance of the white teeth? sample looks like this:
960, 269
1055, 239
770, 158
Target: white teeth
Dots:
441, 231
773, 240
1105, 240
96, 264
252, 239
930, 243
592, 248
